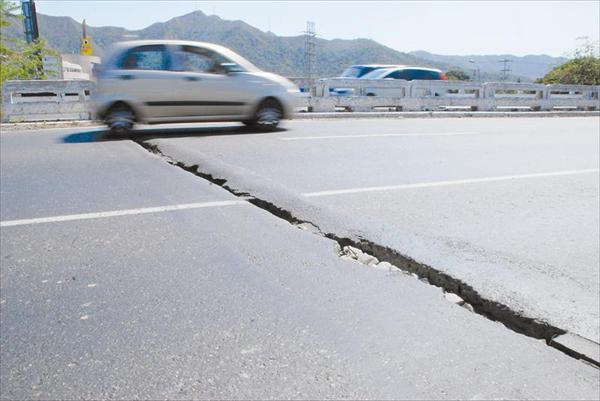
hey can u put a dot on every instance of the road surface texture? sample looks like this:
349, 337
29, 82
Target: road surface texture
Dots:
126, 274
508, 206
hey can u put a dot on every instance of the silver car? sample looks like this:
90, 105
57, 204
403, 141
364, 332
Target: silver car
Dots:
180, 81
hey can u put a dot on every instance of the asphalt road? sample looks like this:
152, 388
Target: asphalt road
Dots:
123, 276
509, 206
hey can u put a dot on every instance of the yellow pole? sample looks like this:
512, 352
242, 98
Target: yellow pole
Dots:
86, 43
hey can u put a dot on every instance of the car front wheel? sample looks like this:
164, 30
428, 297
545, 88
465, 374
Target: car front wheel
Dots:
120, 119
267, 117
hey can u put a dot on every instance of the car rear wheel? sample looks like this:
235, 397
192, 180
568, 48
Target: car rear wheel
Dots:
120, 119
267, 117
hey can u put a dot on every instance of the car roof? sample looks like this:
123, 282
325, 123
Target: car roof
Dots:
376, 65
134, 43
408, 67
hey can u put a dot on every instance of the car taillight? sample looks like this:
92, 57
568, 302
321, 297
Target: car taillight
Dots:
443, 77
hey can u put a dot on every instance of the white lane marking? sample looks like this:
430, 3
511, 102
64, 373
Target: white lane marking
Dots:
445, 183
115, 213
304, 138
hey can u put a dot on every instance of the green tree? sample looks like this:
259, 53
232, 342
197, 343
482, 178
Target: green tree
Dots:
582, 69
457, 75
19, 60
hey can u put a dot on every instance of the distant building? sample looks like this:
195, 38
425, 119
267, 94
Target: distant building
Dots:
76, 66
73, 71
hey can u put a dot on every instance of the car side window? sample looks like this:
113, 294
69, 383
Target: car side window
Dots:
426, 75
434, 75
412, 74
400, 74
422, 74
151, 57
197, 59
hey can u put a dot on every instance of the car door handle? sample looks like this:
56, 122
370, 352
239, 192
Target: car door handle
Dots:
127, 76
190, 78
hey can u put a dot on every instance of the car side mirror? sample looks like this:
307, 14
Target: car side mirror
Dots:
229, 68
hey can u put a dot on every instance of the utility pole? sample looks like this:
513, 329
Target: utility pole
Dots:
32, 33
30, 25
476, 71
506, 68
309, 51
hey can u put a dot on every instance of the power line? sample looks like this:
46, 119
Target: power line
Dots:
309, 50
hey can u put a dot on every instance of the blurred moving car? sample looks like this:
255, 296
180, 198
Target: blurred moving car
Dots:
166, 81
404, 73
356, 71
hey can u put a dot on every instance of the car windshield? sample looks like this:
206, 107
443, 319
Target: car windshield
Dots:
358, 71
235, 62
352, 72
377, 74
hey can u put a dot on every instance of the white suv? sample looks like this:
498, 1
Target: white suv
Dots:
180, 81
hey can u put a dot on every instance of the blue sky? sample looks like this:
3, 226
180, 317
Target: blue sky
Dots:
444, 27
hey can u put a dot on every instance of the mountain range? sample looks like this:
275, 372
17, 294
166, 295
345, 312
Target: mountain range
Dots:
530, 66
280, 54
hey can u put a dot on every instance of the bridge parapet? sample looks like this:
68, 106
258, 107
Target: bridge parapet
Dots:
368, 95
46, 100
56, 100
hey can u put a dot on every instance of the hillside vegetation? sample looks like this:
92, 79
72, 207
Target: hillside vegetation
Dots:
583, 69
18, 60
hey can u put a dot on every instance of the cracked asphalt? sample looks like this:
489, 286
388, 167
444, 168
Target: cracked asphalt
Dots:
218, 298
529, 243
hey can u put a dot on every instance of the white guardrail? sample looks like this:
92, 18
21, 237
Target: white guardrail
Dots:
399, 95
56, 100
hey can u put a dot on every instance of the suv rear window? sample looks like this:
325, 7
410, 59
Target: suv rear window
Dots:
423, 74
150, 57
401, 74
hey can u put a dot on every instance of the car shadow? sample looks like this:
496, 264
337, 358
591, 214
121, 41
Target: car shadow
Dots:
104, 135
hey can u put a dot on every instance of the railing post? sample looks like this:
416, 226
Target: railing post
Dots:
486, 90
6, 102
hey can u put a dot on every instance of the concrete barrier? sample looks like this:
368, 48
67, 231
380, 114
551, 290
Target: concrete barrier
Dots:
398, 95
46, 100
63, 100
